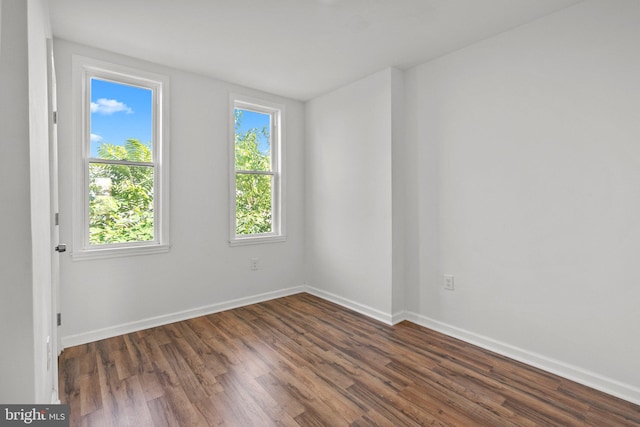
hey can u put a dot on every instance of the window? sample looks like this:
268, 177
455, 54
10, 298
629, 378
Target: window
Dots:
256, 172
122, 175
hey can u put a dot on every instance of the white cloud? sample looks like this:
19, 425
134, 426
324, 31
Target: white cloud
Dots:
109, 106
95, 137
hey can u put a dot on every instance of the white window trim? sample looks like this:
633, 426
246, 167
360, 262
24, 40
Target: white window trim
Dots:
83, 69
278, 158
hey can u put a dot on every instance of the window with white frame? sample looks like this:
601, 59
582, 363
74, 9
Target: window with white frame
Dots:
257, 190
122, 176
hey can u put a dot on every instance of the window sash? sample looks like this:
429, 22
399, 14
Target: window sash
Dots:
154, 87
156, 205
84, 70
272, 207
275, 144
255, 172
105, 217
120, 162
273, 130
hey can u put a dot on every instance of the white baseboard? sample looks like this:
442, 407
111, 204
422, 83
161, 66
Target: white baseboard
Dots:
352, 305
574, 373
565, 370
126, 328
399, 317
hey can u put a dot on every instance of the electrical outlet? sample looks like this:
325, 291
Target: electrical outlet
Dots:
254, 264
448, 282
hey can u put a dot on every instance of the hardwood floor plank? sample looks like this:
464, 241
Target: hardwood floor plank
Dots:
194, 363
90, 398
183, 374
211, 411
151, 387
69, 383
160, 335
286, 399
315, 394
109, 388
256, 406
444, 413
196, 338
379, 405
455, 395
162, 414
175, 394
304, 361
137, 353
601, 402
312, 418
268, 403
87, 360
93, 419
135, 403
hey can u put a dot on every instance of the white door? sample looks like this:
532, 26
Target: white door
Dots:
55, 235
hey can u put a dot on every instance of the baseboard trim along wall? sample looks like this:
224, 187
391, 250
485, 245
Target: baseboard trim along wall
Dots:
570, 372
55, 400
565, 370
352, 305
152, 322
574, 373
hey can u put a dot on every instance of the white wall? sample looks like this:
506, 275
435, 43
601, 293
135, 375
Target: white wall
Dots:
17, 376
526, 147
348, 192
400, 206
42, 247
201, 269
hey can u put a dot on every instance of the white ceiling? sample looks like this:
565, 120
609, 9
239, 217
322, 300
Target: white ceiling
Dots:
294, 48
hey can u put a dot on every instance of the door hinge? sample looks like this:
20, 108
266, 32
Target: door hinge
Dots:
59, 319
56, 219
55, 117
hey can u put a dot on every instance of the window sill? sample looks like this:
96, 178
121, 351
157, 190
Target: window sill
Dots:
256, 240
104, 253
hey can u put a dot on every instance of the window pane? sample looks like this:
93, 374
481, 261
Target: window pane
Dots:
253, 204
120, 113
252, 140
120, 204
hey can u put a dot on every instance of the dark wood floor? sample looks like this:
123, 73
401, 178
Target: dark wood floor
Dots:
303, 361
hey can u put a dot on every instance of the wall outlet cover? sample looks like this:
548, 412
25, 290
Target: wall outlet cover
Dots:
448, 282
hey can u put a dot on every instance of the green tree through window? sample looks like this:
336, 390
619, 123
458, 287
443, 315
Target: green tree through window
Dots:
121, 196
254, 177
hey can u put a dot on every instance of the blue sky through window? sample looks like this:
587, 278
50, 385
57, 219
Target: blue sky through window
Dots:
119, 112
251, 120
